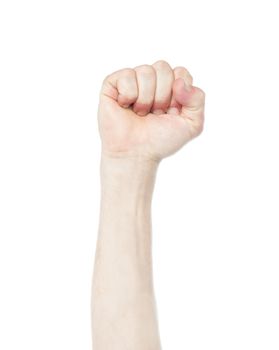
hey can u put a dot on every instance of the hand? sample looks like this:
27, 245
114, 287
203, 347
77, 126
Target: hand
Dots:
150, 111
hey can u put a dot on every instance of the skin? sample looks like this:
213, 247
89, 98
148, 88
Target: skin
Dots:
145, 114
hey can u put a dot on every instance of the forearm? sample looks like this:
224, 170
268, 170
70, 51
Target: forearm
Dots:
124, 312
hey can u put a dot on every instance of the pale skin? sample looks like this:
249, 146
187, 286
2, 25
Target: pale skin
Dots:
145, 114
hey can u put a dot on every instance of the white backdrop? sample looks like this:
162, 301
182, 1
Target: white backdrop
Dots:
215, 207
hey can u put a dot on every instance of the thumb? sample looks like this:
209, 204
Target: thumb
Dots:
191, 98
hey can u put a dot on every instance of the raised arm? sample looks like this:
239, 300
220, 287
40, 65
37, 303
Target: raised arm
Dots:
145, 114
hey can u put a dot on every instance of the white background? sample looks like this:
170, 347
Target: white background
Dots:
215, 207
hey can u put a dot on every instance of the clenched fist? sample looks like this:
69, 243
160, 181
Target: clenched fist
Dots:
149, 111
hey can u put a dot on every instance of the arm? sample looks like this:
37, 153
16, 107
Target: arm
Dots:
136, 134
124, 309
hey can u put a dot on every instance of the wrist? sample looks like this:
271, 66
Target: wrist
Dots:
128, 176
120, 165
134, 154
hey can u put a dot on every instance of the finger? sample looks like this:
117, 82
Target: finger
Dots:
146, 79
192, 100
121, 86
179, 72
190, 97
164, 82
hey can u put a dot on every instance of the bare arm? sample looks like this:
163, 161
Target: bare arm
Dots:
123, 300
135, 135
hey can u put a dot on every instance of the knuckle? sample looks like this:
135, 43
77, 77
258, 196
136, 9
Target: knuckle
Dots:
106, 79
126, 80
126, 73
190, 77
146, 70
202, 93
161, 64
182, 71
